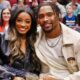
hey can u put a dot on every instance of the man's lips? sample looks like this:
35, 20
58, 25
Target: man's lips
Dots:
47, 25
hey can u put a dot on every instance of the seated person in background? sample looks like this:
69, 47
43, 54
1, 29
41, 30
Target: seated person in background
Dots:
75, 6
61, 7
78, 23
70, 19
4, 22
4, 4
20, 53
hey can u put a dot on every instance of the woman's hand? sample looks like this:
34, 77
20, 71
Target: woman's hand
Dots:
18, 78
47, 77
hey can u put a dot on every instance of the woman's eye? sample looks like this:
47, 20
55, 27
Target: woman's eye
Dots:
27, 21
41, 16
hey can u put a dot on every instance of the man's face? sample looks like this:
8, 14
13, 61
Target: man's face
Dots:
54, 1
47, 0
47, 19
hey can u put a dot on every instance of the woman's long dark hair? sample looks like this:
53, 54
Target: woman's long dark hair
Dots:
14, 42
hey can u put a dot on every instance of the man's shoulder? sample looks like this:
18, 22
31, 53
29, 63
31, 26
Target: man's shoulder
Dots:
71, 34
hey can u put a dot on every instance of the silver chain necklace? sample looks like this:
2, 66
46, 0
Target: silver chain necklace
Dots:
55, 43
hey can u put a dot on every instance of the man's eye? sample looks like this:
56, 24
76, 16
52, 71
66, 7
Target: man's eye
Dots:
19, 20
49, 14
41, 16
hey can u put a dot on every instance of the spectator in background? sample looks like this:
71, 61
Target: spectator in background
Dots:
4, 4
79, 1
78, 23
33, 5
76, 6
19, 3
61, 7
12, 2
64, 2
70, 19
29, 2
5, 17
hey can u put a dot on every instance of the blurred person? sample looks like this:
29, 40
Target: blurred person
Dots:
4, 4
78, 23
21, 61
29, 2
64, 2
19, 3
61, 7
57, 46
70, 19
33, 5
5, 17
12, 2
76, 6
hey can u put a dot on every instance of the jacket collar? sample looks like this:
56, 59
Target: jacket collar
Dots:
66, 37
66, 32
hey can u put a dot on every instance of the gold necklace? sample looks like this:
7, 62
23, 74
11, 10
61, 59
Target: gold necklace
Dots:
55, 43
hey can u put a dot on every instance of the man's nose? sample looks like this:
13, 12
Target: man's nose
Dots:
45, 18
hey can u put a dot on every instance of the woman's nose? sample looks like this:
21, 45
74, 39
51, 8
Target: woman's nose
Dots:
23, 24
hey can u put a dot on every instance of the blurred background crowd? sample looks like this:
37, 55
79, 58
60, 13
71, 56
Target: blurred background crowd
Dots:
69, 10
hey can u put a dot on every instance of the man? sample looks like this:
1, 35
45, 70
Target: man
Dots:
56, 46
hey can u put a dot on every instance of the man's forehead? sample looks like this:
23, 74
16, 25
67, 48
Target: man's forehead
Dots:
47, 0
45, 9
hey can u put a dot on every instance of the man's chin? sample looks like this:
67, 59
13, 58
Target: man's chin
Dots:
47, 31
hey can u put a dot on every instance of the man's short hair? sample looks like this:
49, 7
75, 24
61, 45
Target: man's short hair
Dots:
53, 6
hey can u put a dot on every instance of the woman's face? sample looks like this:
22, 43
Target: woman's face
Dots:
6, 15
23, 23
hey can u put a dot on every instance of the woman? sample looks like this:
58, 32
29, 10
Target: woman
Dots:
5, 17
20, 50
